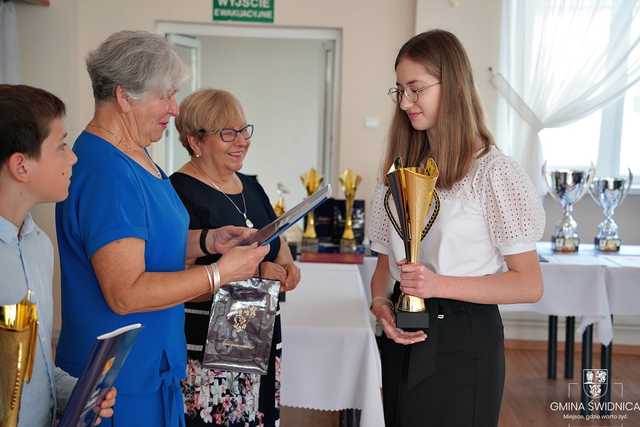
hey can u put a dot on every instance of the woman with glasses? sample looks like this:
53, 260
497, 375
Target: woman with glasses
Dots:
123, 233
479, 252
215, 133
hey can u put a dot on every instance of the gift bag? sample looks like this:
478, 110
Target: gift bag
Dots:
241, 325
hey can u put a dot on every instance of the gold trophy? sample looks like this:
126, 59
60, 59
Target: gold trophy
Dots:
413, 189
350, 182
278, 207
311, 181
18, 335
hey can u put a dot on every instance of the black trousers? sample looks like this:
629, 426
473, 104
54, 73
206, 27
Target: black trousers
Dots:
453, 379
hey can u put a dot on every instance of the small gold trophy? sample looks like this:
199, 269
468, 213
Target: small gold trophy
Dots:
311, 181
350, 182
413, 189
278, 207
18, 335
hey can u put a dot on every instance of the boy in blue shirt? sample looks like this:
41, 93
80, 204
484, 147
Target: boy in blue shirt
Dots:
35, 167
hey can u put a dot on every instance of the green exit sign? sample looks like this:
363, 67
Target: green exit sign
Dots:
243, 10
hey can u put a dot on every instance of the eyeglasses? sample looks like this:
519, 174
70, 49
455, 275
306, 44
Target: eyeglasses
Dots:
230, 134
412, 95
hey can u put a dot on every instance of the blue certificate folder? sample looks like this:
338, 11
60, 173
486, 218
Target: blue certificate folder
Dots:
275, 228
109, 354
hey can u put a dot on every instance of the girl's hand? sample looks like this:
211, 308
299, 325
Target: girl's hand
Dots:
381, 308
418, 280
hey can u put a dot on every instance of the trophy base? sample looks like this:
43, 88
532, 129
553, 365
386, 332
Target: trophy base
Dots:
565, 244
309, 244
412, 321
348, 246
607, 244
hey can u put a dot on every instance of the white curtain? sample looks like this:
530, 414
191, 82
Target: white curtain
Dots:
9, 57
560, 61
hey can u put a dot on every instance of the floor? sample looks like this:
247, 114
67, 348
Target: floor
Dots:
530, 400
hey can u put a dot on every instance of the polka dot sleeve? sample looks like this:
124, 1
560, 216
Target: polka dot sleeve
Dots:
512, 209
377, 226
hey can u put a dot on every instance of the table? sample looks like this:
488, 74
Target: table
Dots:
620, 284
330, 359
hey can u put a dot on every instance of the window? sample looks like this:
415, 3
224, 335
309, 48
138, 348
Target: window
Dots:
608, 138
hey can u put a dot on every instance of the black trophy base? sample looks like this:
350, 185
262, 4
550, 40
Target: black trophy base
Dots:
412, 321
607, 244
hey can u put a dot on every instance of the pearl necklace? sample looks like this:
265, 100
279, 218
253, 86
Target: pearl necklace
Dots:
126, 147
247, 221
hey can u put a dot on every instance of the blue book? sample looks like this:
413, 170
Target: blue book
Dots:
109, 354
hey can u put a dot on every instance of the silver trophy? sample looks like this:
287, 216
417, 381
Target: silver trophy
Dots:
608, 193
567, 186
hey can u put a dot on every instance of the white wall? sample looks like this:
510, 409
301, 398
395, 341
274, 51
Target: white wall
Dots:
280, 86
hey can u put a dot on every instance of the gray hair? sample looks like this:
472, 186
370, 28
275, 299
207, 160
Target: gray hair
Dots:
138, 61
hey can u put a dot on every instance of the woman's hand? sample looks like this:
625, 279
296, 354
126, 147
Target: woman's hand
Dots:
241, 262
417, 280
223, 239
293, 277
107, 404
273, 271
383, 312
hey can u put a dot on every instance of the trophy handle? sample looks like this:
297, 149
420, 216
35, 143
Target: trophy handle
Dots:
628, 187
543, 171
427, 227
390, 214
591, 175
592, 191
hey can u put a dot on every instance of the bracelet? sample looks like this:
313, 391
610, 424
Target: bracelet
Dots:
203, 242
216, 276
211, 286
383, 299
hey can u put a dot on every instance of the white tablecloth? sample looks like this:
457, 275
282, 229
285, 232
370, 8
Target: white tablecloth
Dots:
624, 290
589, 284
330, 359
574, 290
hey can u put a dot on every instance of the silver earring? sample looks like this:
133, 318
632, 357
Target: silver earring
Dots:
197, 155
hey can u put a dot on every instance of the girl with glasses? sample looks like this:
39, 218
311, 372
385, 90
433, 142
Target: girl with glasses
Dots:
480, 251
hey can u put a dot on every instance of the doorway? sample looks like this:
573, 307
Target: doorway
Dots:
287, 82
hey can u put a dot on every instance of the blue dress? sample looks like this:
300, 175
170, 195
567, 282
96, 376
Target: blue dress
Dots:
112, 197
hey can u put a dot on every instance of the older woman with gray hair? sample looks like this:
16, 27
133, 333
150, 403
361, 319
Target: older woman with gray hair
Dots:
123, 233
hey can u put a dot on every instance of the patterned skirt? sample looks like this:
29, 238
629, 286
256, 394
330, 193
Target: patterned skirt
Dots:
219, 398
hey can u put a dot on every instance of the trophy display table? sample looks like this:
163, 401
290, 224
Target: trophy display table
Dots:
593, 286
330, 359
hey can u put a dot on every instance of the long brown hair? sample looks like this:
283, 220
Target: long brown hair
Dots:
460, 121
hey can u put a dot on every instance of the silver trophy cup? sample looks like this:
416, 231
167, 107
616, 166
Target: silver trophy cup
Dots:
567, 186
608, 193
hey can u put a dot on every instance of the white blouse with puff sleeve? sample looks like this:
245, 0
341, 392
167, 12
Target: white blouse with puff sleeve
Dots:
492, 212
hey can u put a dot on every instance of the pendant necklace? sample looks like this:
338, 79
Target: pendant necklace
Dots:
247, 221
